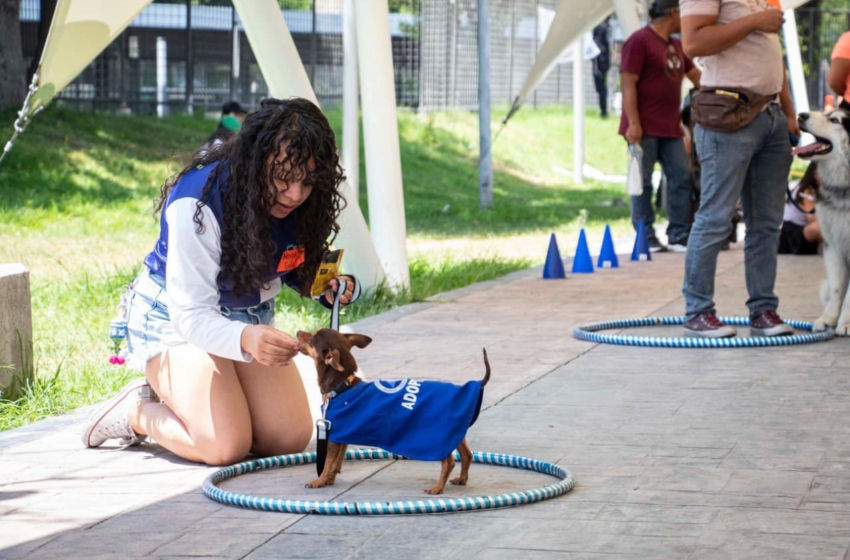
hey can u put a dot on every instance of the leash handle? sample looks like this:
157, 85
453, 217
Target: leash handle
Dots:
335, 310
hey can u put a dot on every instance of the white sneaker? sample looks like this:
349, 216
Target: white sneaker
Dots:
677, 247
111, 421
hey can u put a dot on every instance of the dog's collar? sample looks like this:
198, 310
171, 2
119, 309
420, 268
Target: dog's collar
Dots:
340, 388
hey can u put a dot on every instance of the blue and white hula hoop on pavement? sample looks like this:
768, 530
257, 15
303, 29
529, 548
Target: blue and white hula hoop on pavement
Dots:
430, 505
588, 333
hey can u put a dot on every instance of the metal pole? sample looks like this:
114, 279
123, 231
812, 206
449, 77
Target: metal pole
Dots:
190, 74
350, 87
511, 53
536, 48
161, 76
234, 53
578, 113
313, 48
485, 157
380, 136
453, 52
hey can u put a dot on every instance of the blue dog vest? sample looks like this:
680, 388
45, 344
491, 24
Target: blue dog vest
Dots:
424, 420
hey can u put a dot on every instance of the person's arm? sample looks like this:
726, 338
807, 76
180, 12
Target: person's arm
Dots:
787, 103
703, 36
628, 83
694, 76
192, 271
839, 69
812, 232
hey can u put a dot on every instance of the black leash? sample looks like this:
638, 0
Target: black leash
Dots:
323, 426
794, 202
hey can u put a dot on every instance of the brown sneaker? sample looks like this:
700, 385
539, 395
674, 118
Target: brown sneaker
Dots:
768, 323
707, 325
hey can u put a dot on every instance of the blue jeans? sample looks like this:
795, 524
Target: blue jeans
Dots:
670, 152
751, 164
149, 330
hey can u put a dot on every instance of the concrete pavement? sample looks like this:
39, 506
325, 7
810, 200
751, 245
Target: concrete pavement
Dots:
738, 453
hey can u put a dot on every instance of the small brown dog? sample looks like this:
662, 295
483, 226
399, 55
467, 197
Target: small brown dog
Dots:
424, 420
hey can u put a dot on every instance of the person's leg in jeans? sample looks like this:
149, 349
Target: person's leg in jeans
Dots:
763, 199
642, 209
674, 162
725, 158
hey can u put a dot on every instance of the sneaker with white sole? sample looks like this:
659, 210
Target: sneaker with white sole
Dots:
707, 325
111, 421
768, 323
678, 246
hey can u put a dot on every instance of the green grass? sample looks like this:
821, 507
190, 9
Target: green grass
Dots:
76, 196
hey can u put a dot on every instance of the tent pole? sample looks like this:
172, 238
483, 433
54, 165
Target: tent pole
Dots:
380, 134
627, 15
485, 155
578, 113
286, 76
350, 93
795, 63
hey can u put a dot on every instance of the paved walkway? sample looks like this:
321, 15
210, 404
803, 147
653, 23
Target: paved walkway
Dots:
740, 453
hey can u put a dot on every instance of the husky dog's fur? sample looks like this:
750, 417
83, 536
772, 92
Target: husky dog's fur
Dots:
831, 151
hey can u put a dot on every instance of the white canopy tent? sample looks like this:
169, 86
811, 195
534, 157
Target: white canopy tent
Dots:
82, 29
574, 17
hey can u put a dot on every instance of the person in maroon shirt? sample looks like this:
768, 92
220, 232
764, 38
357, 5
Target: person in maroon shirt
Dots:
651, 73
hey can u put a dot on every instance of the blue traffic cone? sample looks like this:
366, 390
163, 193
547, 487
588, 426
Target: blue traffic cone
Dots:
641, 248
554, 267
608, 256
582, 262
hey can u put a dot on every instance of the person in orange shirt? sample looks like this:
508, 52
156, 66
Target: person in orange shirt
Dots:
838, 77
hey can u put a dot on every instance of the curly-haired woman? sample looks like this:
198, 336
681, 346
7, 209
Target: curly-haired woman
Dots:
250, 215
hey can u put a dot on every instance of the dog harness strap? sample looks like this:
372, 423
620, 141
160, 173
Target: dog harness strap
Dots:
335, 310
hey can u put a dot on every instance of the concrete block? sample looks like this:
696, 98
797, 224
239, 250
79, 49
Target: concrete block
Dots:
15, 324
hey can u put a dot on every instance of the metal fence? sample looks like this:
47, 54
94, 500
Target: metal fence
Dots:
172, 58
818, 31
517, 29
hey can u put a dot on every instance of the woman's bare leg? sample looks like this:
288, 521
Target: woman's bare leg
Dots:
280, 412
205, 417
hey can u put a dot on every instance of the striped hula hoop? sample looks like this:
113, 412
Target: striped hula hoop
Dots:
442, 505
588, 333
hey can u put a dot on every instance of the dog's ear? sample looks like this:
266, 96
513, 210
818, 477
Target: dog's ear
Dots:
332, 359
358, 340
304, 343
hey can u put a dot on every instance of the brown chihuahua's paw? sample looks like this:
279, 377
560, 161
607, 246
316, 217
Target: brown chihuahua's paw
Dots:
434, 490
459, 481
319, 483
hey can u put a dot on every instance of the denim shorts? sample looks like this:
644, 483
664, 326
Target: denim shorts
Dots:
149, 330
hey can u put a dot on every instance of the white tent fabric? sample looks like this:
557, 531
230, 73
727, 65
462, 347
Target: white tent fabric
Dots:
81, 29
572, 19
285, 75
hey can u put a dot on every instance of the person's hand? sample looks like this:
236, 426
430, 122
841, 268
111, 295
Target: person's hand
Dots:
334, 284
794, 127
268, 345
634, 133
769, 21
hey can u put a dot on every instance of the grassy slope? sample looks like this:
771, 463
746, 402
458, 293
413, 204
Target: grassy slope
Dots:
75, 201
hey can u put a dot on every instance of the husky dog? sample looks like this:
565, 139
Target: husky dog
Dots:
831, 151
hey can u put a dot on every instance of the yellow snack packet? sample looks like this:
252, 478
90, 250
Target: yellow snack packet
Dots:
328, 270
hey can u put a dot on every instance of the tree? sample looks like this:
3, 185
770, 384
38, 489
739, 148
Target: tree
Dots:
12, 84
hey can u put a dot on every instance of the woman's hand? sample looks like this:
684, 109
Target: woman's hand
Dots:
334, 284
269, 346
